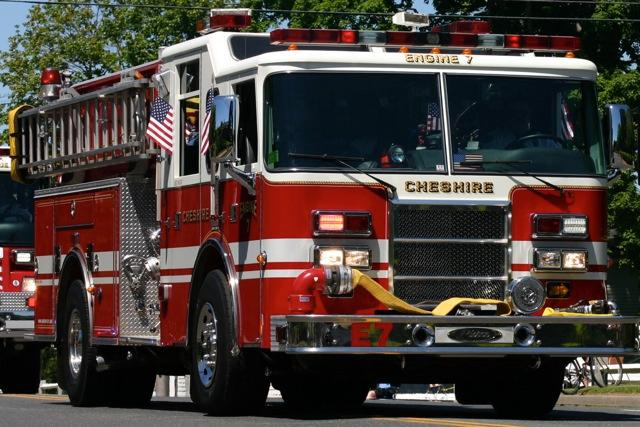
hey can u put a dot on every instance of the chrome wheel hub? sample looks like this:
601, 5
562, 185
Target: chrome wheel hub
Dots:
206, 344
75, 343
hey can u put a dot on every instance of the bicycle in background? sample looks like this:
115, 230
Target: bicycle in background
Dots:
588, 371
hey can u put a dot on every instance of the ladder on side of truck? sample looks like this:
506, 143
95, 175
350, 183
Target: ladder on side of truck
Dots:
98, 128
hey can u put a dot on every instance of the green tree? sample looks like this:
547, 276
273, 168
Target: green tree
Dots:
611, 45
624, 211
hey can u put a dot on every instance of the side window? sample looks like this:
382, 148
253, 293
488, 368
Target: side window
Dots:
189, 99
247, 131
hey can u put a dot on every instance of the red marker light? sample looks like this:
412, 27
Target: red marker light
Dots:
50, 76
512, 41
549, 225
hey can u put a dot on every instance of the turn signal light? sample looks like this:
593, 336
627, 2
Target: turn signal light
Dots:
342, 223
560, 226
558, 289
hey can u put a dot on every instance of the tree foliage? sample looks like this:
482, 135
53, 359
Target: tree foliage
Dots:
611, 45
624, 211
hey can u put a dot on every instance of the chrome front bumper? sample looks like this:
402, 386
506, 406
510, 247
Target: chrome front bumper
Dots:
16, 325
456, 335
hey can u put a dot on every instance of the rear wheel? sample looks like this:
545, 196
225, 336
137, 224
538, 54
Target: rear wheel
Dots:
20, 368
76, 357
223, 379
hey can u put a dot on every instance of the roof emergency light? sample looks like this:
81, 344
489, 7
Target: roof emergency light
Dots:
50, 84
224, 19
461, 34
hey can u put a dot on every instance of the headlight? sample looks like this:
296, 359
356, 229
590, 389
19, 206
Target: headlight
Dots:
351, 257
329, 256
526, 295
560, 259
574, 260
548, 259
357, 258
28, 284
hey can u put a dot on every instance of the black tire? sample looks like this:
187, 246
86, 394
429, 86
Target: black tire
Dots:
227, 381
20, 365
322, 394
474, 392
572, 381
529, 392
78, 375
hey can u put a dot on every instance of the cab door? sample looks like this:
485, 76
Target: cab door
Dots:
180, 197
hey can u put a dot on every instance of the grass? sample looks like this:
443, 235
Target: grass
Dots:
628, 388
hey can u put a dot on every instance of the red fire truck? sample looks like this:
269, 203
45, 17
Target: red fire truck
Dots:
19, 357
324, 210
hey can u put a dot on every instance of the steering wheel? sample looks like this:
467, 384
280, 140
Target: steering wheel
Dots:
524, 140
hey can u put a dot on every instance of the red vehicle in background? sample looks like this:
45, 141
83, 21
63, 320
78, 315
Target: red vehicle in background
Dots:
19, 357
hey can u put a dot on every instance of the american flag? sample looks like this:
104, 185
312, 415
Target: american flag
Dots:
566, 122
207, 122
466, 161
160, 127
433, 117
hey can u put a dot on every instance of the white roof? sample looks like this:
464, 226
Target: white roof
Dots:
224, 63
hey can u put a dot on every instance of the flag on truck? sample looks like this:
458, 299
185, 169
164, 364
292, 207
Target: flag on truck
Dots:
207, 122
160, 127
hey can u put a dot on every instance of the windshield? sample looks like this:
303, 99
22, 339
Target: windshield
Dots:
16, 212
373, 121
507, 124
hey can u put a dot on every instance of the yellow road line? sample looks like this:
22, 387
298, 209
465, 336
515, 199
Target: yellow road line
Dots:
448, 423
36, 396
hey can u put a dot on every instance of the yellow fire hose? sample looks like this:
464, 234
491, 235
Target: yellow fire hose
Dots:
445, 307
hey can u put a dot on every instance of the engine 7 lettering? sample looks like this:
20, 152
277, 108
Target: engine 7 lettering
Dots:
370, 334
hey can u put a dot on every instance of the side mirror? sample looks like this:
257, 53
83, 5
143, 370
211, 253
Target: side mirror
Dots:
223, 133
621, 149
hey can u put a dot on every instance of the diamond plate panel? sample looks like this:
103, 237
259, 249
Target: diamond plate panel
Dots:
14, 301
418, 291
139, 316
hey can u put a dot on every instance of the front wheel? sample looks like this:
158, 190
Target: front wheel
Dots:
223, 379
529, 392
328, 393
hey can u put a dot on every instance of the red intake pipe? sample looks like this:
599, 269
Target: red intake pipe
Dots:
302, 298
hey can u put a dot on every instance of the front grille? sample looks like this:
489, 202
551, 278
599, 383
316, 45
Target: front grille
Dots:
416, 291
441, 252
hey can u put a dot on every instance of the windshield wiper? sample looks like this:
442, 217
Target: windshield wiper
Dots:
513, 164
342, 160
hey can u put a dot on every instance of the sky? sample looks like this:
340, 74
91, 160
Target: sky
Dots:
15, 13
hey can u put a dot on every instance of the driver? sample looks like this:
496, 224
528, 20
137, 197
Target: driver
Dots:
515, 126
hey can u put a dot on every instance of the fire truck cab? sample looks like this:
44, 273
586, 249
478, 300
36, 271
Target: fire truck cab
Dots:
324, 210
19, 356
